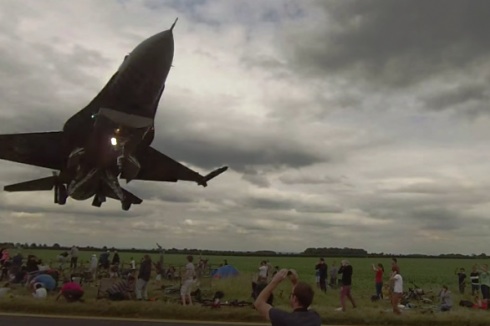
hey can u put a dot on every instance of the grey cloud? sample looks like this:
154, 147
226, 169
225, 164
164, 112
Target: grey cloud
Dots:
41, 91
167, 192
429, 188
290, 204
256, 179
206, 154
230, 142
397, 43
427, 206
439, 218
472, 97
51, 210
292, 179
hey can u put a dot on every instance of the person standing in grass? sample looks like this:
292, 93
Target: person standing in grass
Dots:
396, 295
300, 299
485, 281
345, 290
378, 279
187, 281
143, 278
322, 268
73, 257
263, 271
461, 279
475, 280
333, 275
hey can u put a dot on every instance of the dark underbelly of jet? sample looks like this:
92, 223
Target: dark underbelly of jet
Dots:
84, 186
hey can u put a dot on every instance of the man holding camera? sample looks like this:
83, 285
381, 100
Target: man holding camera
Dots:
300, 299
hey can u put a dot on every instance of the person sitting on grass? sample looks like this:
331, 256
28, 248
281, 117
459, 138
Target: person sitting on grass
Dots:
71, 291
39, 291
300, 299
480, 303
446, 300
122, 289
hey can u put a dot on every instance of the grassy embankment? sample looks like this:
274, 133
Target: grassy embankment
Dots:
429, 274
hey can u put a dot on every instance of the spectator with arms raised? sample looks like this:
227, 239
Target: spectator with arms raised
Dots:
300, 299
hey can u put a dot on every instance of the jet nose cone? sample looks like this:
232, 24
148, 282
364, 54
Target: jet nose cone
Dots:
159, 46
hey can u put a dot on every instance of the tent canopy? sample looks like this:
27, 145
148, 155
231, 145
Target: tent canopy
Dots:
225, 272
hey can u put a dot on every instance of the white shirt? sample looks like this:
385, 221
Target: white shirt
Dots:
93, 263
398, 286
263, 271
40, 293
189, 271
133, 264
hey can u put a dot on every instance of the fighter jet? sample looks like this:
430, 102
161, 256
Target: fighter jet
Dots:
110, 139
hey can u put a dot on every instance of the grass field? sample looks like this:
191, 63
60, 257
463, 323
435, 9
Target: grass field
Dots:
430, 274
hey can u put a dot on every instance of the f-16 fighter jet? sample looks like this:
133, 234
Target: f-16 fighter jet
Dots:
110, 138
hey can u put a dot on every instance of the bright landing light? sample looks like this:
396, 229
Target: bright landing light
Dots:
113, 141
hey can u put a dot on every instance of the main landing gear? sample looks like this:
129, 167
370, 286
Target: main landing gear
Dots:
126, 205
98, 200
60, 194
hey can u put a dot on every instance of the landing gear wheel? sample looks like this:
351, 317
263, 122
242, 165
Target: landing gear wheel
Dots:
96, 202
126, 206
60, 194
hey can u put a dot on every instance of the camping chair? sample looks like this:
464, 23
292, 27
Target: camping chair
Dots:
104, 285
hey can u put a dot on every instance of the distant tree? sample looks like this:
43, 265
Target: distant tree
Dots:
56, 246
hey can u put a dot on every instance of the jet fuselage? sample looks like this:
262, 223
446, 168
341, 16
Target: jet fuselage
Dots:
103, 136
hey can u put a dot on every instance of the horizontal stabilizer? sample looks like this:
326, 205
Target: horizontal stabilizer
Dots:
33, 185
125, 119
212, 175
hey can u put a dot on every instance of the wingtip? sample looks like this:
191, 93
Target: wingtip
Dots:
173, 25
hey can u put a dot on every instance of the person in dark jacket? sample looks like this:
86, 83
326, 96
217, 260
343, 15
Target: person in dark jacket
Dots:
346, 271
321, 267
143, 278
300, 299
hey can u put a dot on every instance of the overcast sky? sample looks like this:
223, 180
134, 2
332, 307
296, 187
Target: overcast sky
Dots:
344, 123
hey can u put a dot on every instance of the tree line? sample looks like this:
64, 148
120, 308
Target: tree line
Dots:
309, 252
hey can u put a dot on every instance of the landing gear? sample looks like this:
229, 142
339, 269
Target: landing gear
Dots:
126, 205
60, 194
98, 200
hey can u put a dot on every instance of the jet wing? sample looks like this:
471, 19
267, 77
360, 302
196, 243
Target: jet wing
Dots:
156, 166
44, 149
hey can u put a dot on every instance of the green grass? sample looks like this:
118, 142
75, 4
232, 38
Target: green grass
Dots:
430, 274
